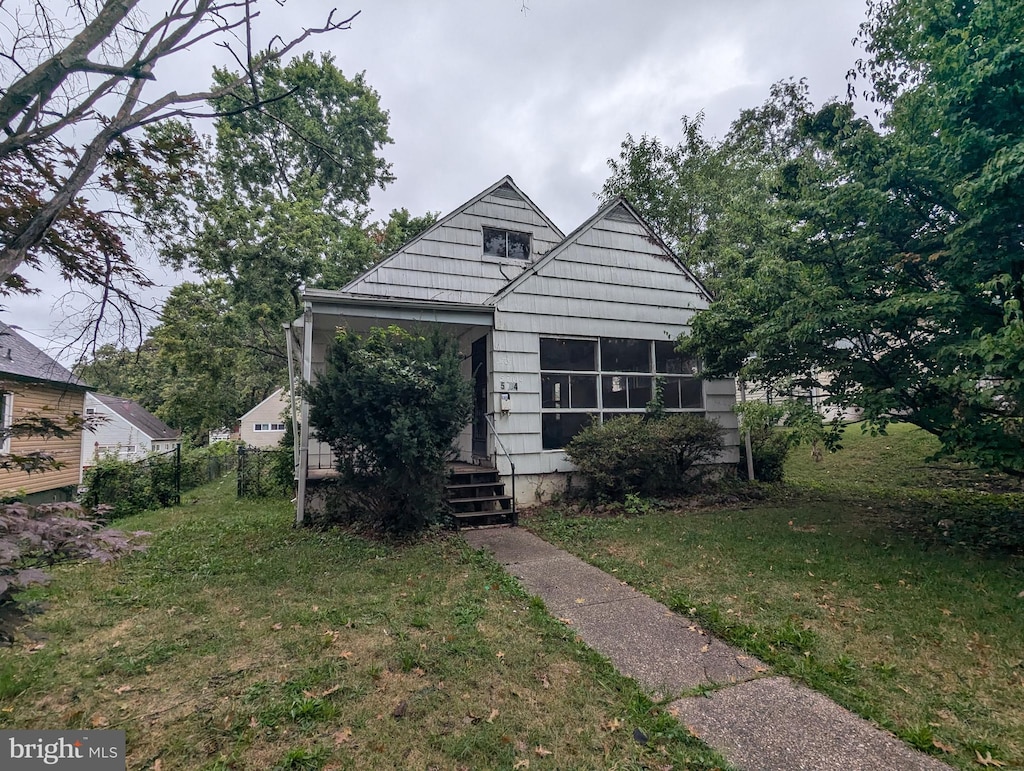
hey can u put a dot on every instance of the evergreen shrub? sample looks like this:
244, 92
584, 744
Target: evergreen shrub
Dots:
645, 455
391, 404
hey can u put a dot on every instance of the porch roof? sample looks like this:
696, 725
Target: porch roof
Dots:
326, 302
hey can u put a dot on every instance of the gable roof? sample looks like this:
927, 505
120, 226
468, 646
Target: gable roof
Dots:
21, 360
137, 415
504, 188
276, 395
620, 210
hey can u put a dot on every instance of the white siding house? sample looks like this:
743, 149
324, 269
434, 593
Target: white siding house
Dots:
557, 330
263, 425
124, 430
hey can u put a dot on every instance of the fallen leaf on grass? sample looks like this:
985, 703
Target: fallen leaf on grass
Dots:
494, 714
541, 752
524, 763
940, 746
673, 711
544, 681
612, 725
98, 721
988, 760
122, 689
400, 710
342, 736
345, 654
500, 654
946, 611
565, 620
277, 627
158, 765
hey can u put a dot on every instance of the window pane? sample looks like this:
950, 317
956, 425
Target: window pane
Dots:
584, 391
613, 391
670, 392
574, 355
495, 242
519, 245
619, 355
691, 393
609, 416
640, 391
668, 360
557, 428
554, 391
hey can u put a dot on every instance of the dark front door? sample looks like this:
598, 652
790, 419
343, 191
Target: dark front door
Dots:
480, 398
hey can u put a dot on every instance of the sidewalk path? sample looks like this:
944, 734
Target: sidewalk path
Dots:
757, 721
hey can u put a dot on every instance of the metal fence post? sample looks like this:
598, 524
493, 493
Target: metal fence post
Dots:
241, 470
177, 475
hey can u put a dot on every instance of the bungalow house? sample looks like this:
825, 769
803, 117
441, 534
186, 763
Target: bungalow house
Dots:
32, 383
263, 425
556, 331
124, 430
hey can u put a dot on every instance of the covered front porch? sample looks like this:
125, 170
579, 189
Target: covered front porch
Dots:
309, 338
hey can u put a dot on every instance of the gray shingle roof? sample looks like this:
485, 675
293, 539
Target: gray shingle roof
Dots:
22, 360
138, 416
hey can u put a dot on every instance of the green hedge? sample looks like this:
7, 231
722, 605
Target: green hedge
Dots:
645, 455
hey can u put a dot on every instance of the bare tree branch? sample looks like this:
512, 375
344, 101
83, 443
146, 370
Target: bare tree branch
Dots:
31, 115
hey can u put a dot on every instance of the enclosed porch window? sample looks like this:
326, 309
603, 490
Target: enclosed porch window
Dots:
587, 380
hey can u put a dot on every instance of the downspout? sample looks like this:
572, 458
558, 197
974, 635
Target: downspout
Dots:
307, 373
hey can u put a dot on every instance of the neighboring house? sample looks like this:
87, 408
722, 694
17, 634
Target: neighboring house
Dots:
33, 383
815, 396
263, 425
222, 434
556, 330
124, 430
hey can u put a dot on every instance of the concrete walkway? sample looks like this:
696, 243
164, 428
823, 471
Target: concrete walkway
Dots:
756, 720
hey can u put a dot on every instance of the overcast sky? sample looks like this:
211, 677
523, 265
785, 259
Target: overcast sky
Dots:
477, 89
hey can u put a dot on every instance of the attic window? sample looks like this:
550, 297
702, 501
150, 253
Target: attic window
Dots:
509, 244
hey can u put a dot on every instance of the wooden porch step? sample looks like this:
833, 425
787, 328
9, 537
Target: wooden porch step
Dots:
476, 496
482, 518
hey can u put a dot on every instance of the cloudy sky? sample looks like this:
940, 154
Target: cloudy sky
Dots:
544, 91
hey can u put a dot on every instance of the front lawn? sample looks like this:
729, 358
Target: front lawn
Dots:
840, 587
239, 642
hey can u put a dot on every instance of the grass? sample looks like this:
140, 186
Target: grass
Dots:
828, 583
238, 642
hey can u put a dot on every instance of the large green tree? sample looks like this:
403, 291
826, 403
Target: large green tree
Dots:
276, 200
896, 279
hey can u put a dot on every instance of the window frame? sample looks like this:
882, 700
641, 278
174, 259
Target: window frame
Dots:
507, 231
651, 375
267, 427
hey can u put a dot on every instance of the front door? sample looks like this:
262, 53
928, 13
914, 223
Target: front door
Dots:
479, 360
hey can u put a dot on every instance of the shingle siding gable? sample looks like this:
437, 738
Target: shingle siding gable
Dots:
446, 263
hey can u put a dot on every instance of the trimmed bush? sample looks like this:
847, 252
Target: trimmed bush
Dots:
645, 456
